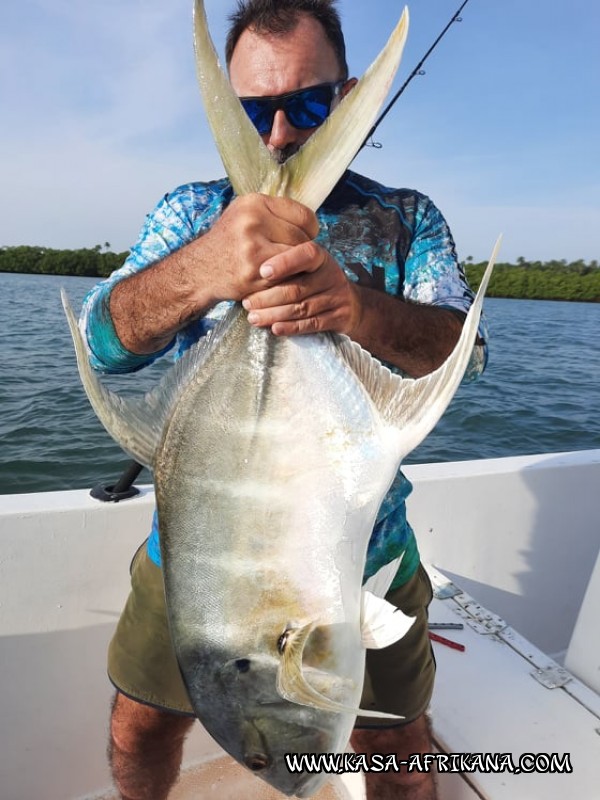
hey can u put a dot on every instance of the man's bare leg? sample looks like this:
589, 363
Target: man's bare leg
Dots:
404, 741
145, 749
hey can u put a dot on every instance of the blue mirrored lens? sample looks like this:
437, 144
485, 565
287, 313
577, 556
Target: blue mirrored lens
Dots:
261, 114
308, 110
305, 109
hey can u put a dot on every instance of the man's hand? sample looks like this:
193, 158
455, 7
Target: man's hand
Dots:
148, 308
253, 230
261, 251
308, 292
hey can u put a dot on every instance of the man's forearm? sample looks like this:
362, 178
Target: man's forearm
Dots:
415, 338
148, 308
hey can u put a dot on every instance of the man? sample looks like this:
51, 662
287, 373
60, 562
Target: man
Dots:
357, 267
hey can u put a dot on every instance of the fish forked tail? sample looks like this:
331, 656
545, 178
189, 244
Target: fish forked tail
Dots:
309, 175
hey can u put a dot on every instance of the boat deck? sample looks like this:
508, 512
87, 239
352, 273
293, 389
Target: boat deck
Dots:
222, 778
504, 696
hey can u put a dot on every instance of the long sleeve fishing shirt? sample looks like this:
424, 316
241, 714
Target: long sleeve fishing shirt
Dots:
393, 240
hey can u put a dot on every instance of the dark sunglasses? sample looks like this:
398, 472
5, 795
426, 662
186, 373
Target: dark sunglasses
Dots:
304, 108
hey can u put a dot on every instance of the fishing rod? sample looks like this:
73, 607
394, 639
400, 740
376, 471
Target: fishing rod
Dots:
123, 489
418, 70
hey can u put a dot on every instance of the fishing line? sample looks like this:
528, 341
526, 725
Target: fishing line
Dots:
418, 70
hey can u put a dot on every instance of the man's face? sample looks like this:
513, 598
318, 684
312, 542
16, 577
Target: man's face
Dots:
265, 65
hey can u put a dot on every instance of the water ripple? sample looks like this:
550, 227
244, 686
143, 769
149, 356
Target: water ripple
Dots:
540, 393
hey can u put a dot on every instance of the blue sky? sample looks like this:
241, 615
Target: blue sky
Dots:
101, 116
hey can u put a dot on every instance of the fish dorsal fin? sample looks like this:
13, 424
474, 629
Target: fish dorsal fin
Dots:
310, 175
138, 424
415, 405
293, 686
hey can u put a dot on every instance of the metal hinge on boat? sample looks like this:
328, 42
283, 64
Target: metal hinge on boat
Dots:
545, 670
443, 588
552, 676
479, 618
475, 615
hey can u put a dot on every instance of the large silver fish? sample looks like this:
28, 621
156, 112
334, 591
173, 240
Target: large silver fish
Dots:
271, 457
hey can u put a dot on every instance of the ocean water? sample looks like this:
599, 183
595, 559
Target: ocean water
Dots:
539, 393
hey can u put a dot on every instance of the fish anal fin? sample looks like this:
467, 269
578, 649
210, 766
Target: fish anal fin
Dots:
293, 686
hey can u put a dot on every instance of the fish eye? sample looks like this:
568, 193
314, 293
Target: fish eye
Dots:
257, 762
243, 664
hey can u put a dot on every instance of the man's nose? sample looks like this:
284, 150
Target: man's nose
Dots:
283, 132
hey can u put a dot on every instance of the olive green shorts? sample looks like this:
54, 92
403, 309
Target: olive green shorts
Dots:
142, 664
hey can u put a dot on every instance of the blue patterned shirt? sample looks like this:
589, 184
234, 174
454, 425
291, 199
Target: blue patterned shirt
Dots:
394, 240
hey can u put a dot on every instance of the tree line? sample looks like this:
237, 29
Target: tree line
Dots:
534, 280
540, 280
94, 262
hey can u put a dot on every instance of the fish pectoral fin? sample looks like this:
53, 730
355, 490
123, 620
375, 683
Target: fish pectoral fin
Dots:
415, 405
293, 686
382, 623
379, 583
130, 422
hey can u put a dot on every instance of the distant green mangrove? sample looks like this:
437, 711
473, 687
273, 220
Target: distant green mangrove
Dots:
540, 280
531, 280
94, 262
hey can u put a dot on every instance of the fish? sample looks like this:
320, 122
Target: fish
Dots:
270, 458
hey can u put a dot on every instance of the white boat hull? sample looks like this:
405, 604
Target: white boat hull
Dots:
521, 535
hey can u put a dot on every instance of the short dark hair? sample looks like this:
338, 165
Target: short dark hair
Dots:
281, 16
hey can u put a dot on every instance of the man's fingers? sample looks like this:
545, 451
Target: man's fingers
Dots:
259, 217
304, 257
319, 312
309, 293
292, 212
324, 322
295, 290
303, 310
